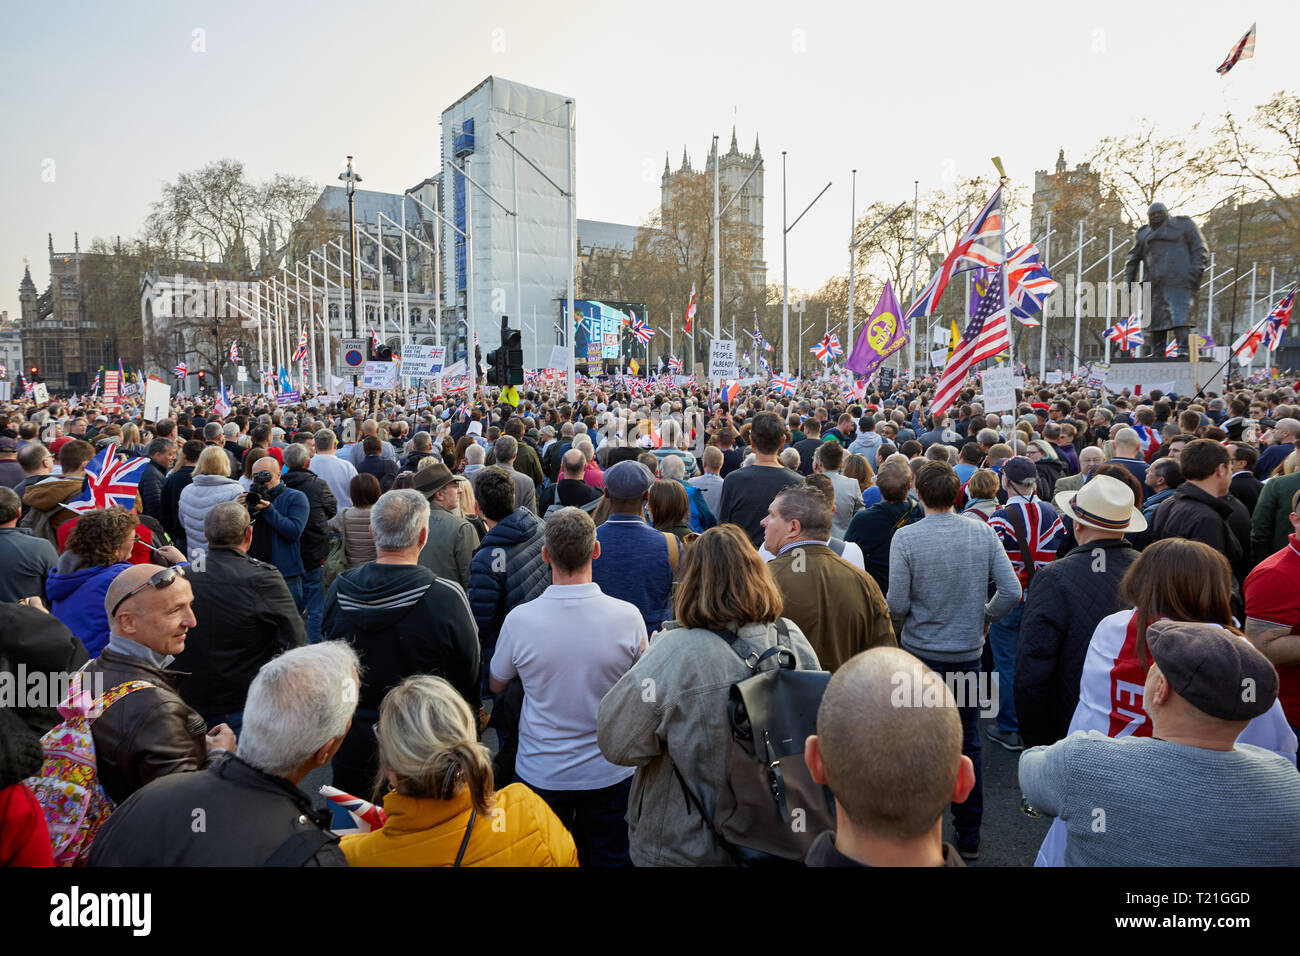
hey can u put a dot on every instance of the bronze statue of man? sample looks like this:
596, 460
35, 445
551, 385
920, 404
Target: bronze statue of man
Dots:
1175, 257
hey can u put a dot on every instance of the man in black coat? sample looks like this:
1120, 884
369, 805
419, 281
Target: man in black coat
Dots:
1065, 602
1245, 486
1202, 509
246, 808
244, 616
162, 455
173, 485
315, 543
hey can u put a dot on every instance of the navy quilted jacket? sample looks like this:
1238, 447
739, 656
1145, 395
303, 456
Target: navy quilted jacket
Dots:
1066, 600
506, 571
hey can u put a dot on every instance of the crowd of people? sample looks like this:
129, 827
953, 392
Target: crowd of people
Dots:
553, 633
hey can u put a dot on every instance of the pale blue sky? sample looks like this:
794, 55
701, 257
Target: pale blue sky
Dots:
115, 96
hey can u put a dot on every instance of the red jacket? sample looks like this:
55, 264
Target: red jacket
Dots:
24, 838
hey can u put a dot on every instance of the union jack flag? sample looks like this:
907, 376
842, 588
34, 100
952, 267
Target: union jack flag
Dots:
110, 482
785, 386
1148, 440
757, 336
979, 247
640, 330
27, 386
674, 364
1029, 283
1127, 333
234, 351
1043, 530
462, 409
1243, 49
352, 814
1278, 320
181, 370
300, 352
1171, 349
828, 348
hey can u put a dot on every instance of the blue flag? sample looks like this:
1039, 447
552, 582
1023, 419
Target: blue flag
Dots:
284, 379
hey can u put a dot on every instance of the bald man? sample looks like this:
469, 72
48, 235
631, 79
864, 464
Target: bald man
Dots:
150, 732
279, 514
888, 744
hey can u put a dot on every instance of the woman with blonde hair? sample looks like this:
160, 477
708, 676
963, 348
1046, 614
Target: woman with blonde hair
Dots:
467, 507
210, 486
441, 806
728, 626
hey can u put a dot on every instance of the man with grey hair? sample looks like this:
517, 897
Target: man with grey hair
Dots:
314, 545
249, 803
475, 455
244, 616
355, 453
214, 435
337, 472
403, 620
506, 450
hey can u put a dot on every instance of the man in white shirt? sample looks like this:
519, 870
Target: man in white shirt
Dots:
710, 482
334, 471
848, 496
569, 647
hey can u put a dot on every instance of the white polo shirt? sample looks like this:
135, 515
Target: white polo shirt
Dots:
569, 646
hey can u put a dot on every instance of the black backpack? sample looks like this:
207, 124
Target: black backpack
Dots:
770, 811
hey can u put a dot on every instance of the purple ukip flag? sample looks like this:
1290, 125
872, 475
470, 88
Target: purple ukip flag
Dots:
884, 334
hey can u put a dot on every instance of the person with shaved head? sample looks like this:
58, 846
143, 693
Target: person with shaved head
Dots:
888, 744
279, 515
150, 731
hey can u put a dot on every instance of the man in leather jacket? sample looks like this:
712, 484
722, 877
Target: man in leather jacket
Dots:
150, 732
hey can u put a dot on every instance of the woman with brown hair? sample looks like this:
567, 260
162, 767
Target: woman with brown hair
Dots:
441, 806
727, 627
859, 469
1174, 579
353, 524
461, 461
670, 508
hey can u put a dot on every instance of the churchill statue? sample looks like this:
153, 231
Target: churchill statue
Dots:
1174, 258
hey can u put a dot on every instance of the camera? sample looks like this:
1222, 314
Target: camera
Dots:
258, 492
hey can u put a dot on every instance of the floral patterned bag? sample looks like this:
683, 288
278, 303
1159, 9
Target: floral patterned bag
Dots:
68, 787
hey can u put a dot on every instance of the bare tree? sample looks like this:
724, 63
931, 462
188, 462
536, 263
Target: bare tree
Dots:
1147, 167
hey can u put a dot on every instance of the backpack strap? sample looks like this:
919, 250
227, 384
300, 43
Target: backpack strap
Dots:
1022, 541
674, 550
300, 847
469, 828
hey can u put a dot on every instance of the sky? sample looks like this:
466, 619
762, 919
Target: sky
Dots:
106, 102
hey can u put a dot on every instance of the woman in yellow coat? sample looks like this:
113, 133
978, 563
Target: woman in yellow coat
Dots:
441, 809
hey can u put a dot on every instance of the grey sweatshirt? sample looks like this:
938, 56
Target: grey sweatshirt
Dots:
939, 572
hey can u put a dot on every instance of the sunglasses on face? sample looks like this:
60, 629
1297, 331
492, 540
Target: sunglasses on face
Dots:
159, 580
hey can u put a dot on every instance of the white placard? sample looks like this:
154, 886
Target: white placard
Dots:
349, 389
6, 391
722, 358
1054, 378
157, 400
380, 375
559, 357
456, 368
939, 358
241, 374
422, 361
1018, 381
40, 393
1097, 375
940, 336
999, 390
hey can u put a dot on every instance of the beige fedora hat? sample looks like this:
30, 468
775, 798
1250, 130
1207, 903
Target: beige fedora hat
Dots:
1104, 503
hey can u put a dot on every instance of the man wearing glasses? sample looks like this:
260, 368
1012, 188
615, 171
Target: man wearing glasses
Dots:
150, 732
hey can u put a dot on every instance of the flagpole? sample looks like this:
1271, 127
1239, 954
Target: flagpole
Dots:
853, 246
911, 332
1042, 341
1006, 292
1110, 251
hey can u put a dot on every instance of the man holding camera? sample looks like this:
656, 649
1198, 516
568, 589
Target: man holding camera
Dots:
279, 514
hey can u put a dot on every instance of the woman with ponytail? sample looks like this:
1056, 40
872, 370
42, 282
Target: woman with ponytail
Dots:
435, 780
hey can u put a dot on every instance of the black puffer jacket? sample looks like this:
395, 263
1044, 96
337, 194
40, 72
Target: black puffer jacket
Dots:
1222, 523
1066, 600
1049, 470
315, 544
247, 817
148, 733
517, 539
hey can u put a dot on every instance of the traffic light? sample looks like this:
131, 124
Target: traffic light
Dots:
382, 353
201, 374
506, 364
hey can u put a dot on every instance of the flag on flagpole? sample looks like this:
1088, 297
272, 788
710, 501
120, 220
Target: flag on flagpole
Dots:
300, 352
980, 246
641, 330
1126, 333
1243, 49
1278, 320
234, 352
674, 364
883, 335
222, 405
985, 336
690, 311
181, 370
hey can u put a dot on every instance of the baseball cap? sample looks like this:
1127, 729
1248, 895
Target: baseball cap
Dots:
1215, 671
628, 479
1020, 470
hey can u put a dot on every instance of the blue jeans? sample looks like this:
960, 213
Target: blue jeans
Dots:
313, 593
967, 816
1004, 635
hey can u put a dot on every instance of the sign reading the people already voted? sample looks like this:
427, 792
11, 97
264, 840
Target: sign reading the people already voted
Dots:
722, 358
423, 361
379, 376
999, 390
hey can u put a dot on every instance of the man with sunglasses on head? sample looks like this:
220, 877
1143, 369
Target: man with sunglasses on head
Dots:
149, 732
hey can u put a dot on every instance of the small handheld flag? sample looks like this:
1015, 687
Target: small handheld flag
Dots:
352, 814
110, 482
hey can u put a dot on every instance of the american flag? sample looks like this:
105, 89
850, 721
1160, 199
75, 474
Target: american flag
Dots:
640, 330
690, 311
1043, 531
1171, 349
979, 247
1243, 49
1126, 333
300, 352
985, 336
110, 482
785, 386
181, 370
1278, 320
234, 351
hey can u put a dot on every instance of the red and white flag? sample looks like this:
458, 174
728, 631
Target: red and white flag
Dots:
690, 311
984, 338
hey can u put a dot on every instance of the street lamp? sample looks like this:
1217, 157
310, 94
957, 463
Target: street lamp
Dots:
350, 178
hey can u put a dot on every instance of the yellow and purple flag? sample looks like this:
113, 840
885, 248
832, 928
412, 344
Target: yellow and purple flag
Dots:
885, 333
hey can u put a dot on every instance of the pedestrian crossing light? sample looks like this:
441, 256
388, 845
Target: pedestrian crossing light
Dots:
506, 364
